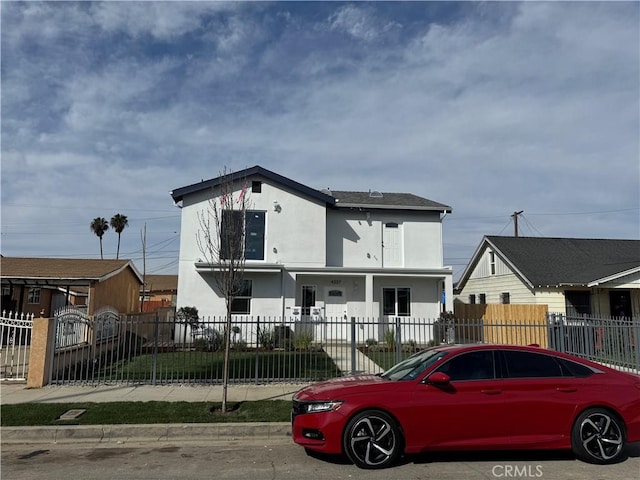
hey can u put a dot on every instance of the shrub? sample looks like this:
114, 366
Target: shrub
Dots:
370, 342
390, 337
267, 339
303, 340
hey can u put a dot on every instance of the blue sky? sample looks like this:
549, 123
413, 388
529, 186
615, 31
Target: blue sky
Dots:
490, 108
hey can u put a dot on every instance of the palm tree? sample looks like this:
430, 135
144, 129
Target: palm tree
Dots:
98, 226
119, 223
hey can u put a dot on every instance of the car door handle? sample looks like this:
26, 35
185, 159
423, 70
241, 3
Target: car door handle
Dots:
491, 391
567, 389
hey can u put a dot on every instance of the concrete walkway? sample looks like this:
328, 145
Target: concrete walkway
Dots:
12, 393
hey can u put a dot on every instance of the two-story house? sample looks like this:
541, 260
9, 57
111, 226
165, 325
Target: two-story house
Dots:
329, 254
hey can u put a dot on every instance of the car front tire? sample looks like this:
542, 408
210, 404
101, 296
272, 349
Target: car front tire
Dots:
372, 439
598, 436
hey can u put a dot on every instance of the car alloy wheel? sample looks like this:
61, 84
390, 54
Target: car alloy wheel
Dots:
372, 439
598, 436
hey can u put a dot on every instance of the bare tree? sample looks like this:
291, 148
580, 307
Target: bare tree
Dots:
221, 240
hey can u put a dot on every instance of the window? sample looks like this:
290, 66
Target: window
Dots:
241, 304
231, 232
505, 298
308, 298
256, 186
573, 369
470, 366
396, 301
577, 303
492, 262
483, 298
530, 365
254, 240
34, 296
472, 299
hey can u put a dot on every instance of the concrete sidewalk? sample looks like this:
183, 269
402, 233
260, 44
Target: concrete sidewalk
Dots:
11, 393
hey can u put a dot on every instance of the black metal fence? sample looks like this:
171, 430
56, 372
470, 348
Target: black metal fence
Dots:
150, 349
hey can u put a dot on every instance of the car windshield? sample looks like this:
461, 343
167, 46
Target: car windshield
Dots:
411, 367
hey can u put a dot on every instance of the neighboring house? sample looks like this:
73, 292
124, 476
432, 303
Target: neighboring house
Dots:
159, 291
43, 285
574, 276
333, 254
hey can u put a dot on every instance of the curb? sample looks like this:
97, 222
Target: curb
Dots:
149, 433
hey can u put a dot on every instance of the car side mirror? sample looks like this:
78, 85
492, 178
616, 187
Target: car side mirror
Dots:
438, 378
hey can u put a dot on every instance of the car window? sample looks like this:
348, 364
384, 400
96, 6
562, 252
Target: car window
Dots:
530, 365
470, 366
573, 369
411, 367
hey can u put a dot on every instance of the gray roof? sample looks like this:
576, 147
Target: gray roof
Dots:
404, 201
564, 261
340, 199
257, 171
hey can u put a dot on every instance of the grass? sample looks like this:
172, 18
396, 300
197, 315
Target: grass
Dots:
208, 366
384, 358
42, 414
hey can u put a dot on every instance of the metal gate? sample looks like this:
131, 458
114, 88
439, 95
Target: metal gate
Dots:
84, 345
15, 341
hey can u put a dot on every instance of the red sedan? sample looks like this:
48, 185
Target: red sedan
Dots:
473, 397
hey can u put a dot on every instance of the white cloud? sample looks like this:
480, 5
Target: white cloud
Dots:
537, 110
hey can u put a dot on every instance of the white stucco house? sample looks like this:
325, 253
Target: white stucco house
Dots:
328, 254
572, 276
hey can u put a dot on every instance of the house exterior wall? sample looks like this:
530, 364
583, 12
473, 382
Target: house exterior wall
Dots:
494, 286
121, 291
355, 238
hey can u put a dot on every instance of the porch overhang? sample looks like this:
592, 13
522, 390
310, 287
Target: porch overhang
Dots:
203, 267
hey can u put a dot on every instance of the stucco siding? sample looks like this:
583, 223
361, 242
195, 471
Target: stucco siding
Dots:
355, 239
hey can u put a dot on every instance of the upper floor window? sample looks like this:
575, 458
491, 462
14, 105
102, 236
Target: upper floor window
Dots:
472, 299
231, 232
483, 298
492, 262
34, 296
505, 298
256, 186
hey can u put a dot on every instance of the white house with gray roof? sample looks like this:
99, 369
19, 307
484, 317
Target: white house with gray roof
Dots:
573, 276
330, 254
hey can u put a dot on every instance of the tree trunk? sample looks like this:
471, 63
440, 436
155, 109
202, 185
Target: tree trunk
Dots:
227, 350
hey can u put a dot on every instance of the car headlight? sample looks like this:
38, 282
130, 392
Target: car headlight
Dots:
316, 407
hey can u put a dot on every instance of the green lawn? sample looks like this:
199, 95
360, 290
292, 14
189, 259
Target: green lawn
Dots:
36, 414
386, 359
208, 366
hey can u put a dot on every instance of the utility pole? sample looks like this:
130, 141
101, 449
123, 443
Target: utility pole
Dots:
515, 222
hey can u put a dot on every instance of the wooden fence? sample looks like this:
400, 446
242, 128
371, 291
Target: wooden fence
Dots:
503, 323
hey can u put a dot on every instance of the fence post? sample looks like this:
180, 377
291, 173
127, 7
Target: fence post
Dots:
155, 348
398, 341
636, 341
257, 346
41, 352
354, 365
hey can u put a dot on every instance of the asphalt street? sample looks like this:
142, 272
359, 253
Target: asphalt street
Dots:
260, 458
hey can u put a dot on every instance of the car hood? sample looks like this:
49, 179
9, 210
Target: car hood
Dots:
339, 387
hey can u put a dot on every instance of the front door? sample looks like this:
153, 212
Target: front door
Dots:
335, 311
